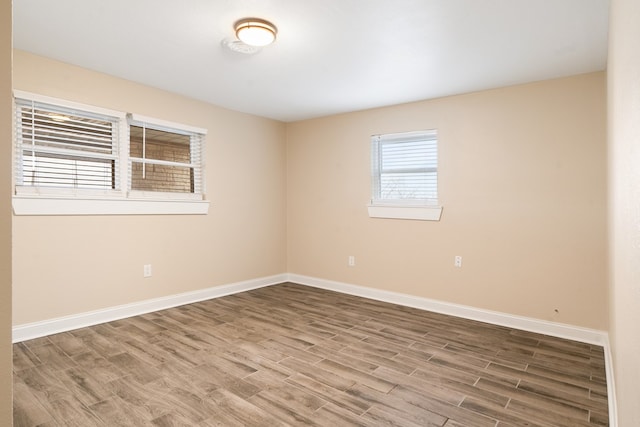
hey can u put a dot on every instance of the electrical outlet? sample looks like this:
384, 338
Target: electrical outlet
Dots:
352, 261
147, 270
457, 261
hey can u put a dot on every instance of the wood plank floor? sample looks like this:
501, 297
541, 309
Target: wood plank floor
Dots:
293, 355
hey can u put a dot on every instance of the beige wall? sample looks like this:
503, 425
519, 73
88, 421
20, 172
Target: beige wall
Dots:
73, 264
624, 204
522, 178
522, 181
5, 215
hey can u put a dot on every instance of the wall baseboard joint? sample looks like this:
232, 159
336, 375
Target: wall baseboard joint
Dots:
67, 323
560, 330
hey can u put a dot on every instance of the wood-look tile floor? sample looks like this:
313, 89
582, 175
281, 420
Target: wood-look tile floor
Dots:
293, 355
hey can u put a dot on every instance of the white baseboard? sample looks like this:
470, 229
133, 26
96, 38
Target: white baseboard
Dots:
561, 330
67, 323
576, 333
591, 336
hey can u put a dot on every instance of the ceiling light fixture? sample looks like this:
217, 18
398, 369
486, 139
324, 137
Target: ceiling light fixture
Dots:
256, 32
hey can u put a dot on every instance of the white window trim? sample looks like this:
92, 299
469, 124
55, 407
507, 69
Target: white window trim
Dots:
422, 213
421, 210
68, 104
166, 125
29, 200
24, 205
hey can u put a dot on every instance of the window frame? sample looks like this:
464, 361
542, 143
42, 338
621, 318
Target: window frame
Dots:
196, 136
40, 200
426, 209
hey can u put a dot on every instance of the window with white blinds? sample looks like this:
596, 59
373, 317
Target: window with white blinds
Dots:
404, 168
76, 159
165, 158
60, 147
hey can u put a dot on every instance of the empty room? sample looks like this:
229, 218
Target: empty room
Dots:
278, 213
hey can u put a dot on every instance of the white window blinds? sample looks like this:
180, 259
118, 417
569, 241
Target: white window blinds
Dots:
164, 157
404, 168
63, 147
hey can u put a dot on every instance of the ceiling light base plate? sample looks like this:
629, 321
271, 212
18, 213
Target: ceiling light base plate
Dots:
240, 47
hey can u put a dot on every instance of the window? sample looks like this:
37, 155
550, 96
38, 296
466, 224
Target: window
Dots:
404, 175
164, 158
77, 159
59, 147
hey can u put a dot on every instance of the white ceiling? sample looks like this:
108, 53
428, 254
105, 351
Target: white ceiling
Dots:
331, 56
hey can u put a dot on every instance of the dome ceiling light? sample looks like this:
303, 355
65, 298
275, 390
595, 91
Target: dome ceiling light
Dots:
256, 32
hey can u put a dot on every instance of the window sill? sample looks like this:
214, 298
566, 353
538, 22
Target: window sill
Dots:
85, 206
420, 213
